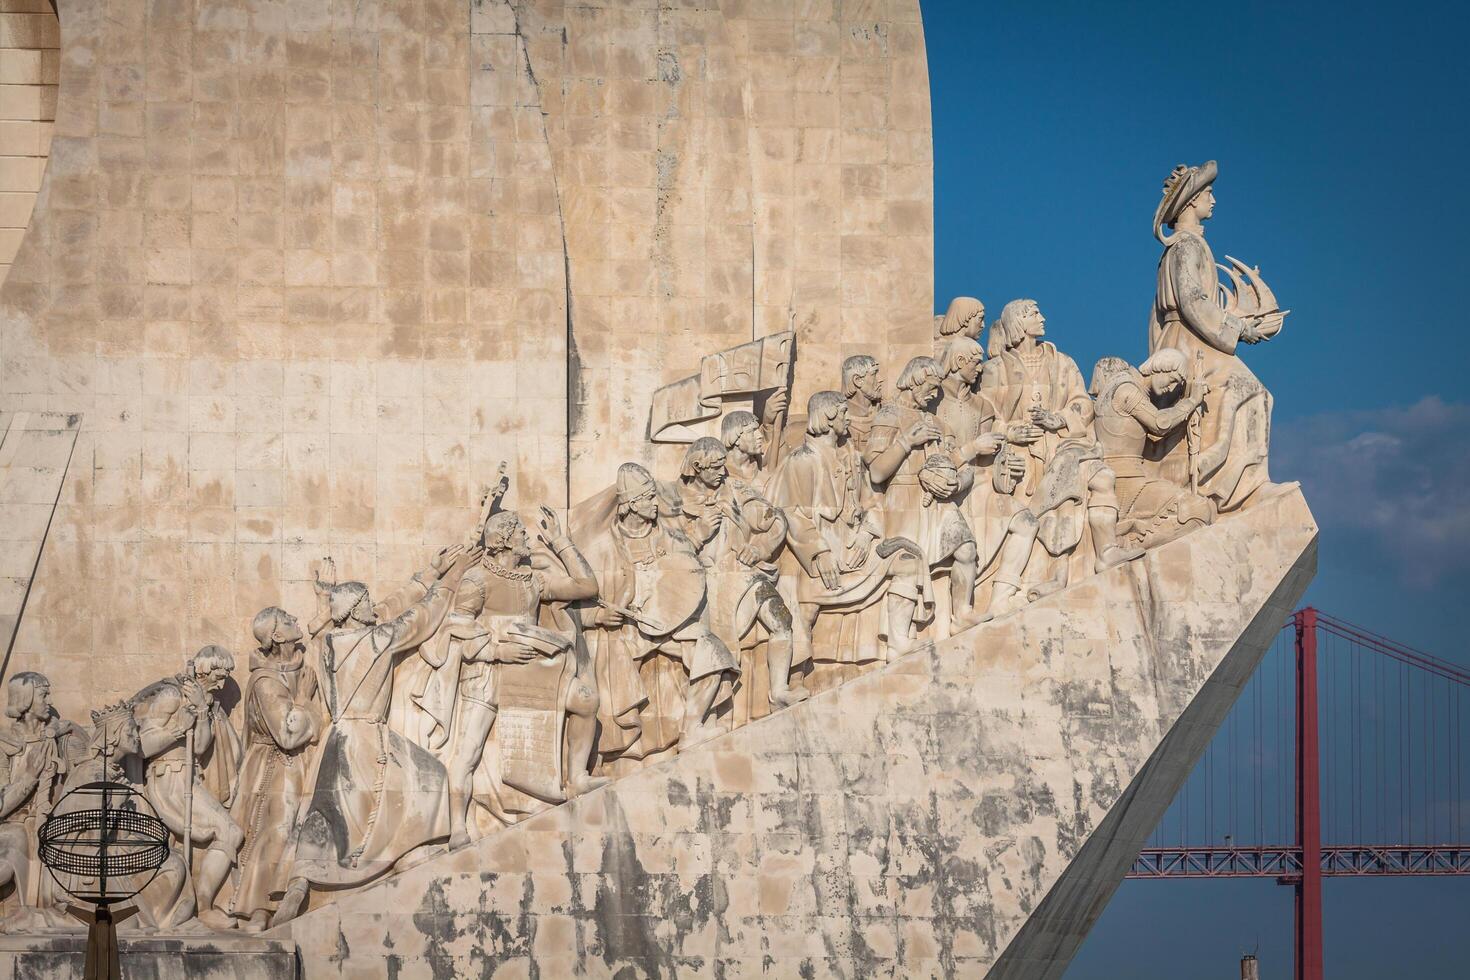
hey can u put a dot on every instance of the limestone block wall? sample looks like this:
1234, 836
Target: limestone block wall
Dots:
300, 270
308, 270
730, 169
966, 810
30, 61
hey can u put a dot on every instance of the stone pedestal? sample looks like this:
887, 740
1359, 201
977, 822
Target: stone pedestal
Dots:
969, 808
61, 957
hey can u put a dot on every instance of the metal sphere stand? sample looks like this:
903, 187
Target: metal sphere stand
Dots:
103, 844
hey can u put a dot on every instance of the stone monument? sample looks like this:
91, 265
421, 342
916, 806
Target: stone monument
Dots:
894, 685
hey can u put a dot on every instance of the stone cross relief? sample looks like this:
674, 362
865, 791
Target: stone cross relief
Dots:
534, 660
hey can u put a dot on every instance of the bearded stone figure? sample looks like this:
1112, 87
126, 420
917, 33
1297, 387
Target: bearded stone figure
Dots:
655, 650
1224, 453
192, 758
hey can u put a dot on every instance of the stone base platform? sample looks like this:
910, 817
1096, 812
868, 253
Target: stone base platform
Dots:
966, 810
219, 957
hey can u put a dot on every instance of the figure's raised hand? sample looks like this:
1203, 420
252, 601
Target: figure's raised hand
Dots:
1023, 433
775, 405
550, 526
445, 559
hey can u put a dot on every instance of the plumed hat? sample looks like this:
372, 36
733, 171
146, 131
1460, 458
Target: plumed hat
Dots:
1180, 187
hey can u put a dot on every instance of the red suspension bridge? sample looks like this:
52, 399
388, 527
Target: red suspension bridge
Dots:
1345, 755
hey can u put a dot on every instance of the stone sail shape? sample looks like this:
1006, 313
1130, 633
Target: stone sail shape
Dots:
969, 808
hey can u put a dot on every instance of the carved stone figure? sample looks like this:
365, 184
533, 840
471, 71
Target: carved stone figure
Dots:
916, 466
375, 795
652, 620
35, 754
740, 534
166, 901
1135, 408
494, 658
280, 721
1077, 487
965, 317
857, 587
176, 714
1037, 391
1227, 458
972, 418
862, 386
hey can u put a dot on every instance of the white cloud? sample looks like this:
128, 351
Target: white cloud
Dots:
1397, 477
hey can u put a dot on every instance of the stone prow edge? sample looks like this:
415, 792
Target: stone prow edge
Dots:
1044, 946
1093, 874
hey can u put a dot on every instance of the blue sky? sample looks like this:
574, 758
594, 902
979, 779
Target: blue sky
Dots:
1342, 138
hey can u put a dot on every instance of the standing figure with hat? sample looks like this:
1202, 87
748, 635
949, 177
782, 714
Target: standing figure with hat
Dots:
1206, 322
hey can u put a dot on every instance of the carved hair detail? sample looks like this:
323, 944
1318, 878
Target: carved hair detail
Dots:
1007, 331
702, 452
1165, 360
916, 371
855, 367
960, 350
344, 598
265, 624
821, 410
735, 425
20, 693
500, 530
212, 657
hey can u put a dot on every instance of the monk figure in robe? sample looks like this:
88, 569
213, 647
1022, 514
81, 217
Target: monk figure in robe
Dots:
375, 796
281, 719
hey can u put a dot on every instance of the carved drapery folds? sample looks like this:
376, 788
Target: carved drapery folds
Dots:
526, 664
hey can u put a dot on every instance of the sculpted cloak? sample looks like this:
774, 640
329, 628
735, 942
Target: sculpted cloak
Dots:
644, 667
936, 526
1235, 427
272, 779
375, 795
824, 493
1046, 379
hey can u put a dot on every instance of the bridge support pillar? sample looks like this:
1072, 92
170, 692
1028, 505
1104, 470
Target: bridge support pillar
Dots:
1308, 939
